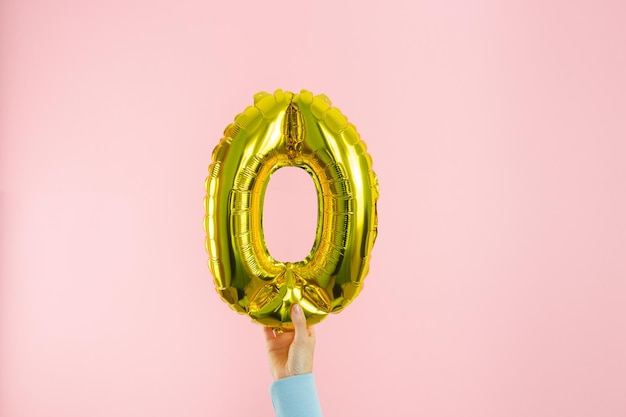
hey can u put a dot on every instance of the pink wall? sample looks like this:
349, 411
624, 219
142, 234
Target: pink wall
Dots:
497, 129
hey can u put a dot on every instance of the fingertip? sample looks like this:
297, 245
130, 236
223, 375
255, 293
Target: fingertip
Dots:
269, 333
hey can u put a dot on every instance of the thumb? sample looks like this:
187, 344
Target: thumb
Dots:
299, 322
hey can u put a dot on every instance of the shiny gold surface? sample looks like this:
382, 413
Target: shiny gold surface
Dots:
300, 130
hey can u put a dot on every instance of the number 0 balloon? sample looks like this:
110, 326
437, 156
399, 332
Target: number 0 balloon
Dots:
298, 130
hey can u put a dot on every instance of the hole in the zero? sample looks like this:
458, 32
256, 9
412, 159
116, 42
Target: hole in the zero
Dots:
290, 214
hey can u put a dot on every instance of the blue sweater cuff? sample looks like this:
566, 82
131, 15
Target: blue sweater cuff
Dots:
295, 396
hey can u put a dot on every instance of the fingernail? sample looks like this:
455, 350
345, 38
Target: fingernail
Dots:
297, 309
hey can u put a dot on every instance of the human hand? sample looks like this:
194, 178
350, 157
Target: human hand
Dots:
291, 353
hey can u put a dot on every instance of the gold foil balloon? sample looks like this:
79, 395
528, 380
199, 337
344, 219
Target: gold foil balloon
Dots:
298, 130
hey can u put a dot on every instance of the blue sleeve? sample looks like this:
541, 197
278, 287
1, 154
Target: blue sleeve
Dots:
296, 396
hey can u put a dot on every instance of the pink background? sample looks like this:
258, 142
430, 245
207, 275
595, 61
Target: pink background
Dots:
498, 132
